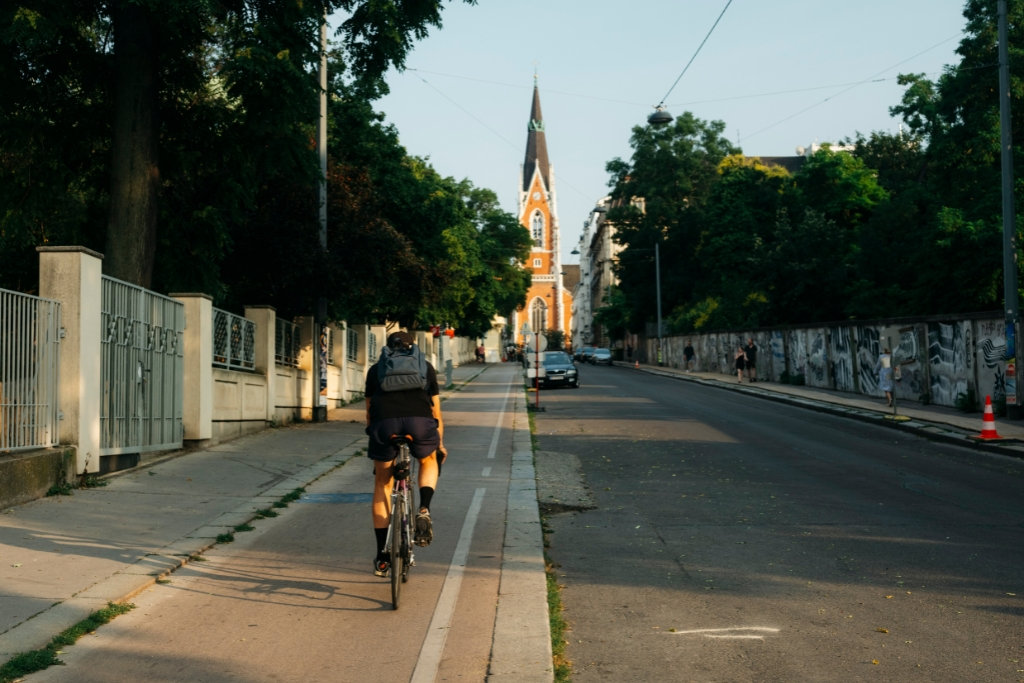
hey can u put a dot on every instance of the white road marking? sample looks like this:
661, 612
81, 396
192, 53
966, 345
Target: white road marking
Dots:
487, 472
734, 633
497, 428
433, 645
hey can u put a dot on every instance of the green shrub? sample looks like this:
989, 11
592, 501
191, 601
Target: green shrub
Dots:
967, 401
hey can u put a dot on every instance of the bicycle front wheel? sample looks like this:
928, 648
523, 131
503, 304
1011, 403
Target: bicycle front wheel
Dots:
397, 556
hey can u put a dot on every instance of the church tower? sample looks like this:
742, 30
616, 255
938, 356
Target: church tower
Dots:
548, 304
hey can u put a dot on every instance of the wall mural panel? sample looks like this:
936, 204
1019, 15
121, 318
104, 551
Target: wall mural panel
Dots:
906, 352
777, 344
817, 359
869, 348
991, 352
842, 358
948, 360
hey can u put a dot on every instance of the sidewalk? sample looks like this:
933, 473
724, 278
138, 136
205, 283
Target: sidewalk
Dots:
64, 557
934, 422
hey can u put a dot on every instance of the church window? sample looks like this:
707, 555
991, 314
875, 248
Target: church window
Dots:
539, 316
537, 228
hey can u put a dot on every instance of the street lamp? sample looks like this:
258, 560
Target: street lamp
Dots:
659, 117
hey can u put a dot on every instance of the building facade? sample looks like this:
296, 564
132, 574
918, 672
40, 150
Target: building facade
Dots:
548, 302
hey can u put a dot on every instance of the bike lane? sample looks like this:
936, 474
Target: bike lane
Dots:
295, 598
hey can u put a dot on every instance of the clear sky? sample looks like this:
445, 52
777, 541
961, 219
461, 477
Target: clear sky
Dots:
779, 73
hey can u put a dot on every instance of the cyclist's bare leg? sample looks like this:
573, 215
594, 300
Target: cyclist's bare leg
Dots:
428, 471
382, 483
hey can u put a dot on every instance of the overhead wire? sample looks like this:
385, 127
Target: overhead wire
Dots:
870, 79
680, 76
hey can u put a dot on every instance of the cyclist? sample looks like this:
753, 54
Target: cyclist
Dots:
415, 411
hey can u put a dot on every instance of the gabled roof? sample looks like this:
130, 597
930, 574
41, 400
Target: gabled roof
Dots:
536, 146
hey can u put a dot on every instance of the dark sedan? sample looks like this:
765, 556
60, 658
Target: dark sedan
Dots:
559, 370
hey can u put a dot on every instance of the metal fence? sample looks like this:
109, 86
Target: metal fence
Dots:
29, 371
234, 341
286, 343
142, 370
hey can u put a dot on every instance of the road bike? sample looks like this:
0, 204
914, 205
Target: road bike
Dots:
400, 528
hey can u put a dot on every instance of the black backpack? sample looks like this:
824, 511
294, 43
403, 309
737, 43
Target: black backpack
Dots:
402, 370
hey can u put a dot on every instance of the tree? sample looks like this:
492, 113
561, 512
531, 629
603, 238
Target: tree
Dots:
958, 117
656, 199
738, 225
162, 56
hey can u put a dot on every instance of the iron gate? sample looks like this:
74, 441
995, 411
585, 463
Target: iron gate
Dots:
29, 371
142, 371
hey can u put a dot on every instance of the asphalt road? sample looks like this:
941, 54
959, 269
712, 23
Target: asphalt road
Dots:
737, 539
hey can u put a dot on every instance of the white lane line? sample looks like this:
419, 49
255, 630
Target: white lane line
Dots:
429, 661
497, 428
734, 633
487, 472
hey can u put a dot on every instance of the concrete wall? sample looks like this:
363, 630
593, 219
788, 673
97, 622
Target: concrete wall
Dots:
941, 360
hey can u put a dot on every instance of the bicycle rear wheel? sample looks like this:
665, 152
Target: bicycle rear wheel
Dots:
406, 534
398, 570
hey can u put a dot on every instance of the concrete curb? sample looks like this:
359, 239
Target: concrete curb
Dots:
521, 649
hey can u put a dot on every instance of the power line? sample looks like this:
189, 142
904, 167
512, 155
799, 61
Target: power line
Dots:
871, 79
695, 53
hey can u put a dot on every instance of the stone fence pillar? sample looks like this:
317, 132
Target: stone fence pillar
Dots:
197, 415
74, 276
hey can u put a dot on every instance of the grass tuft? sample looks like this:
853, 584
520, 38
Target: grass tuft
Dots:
26, 663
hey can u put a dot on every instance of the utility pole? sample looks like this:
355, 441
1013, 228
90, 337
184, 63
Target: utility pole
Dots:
1009, 217
319, 366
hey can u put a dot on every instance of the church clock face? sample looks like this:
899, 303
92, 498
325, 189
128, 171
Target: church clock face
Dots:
536, 196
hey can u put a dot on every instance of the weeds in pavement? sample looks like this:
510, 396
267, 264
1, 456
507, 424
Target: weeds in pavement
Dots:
556, 620
37, 660
244, 527
225, 538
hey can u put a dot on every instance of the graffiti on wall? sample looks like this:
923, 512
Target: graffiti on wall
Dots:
949, 360
777, 344
841, 353
992, 359
817, 359
938, 360
869, 348
906, 354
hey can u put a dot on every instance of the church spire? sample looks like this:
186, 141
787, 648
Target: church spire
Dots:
536, 145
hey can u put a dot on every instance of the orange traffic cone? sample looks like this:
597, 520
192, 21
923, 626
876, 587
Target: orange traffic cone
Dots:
636, 364
988, 424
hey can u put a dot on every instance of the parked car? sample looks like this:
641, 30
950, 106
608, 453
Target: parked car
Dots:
583, 355
559, 370
601, 357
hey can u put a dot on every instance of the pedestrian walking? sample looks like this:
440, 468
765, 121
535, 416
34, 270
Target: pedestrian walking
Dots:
884, 370
740, 360
751, 352
689, 356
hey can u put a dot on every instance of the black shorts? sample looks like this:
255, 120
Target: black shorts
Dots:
423, 430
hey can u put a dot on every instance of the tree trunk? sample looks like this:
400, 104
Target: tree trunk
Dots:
131, 230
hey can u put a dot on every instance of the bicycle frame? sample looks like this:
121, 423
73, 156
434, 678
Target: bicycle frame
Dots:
399, 541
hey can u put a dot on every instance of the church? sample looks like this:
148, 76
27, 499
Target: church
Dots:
548, 301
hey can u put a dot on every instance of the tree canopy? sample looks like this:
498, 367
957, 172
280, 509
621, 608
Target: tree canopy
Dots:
176, 138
